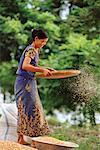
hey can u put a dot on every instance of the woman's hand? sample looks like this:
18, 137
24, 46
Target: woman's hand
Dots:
51, 69
47, 72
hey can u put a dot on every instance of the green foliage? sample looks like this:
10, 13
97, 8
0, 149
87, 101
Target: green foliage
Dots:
12, 34
16, 25
53, 121
77, 50
90, 143
7, 76
85, 20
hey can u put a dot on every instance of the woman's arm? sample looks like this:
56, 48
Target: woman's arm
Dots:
27, 66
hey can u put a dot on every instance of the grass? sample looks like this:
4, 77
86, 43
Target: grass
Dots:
88, 138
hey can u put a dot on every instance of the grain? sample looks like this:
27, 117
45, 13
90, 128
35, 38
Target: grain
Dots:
8, 145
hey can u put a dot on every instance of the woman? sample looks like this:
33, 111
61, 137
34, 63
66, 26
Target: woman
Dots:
31, 119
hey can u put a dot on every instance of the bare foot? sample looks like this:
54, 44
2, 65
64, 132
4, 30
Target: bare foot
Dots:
21, 141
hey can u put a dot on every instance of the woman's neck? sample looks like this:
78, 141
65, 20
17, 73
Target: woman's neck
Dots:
33, 44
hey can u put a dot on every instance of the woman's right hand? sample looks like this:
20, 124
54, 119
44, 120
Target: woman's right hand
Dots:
47, 72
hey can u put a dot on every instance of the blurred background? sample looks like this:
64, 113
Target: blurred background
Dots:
71, 105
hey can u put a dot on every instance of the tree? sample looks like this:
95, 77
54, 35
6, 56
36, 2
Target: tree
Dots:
84, 17
15, 26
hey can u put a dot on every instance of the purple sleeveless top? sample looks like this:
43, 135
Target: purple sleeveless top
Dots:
29, 51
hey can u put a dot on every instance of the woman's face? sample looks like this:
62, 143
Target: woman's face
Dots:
39, 43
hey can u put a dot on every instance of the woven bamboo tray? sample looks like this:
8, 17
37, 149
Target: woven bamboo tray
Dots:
59, 74
49, 143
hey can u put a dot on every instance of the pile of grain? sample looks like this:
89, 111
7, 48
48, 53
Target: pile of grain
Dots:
8, 145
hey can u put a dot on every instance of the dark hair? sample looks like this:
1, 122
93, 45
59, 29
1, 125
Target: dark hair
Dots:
39, 33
